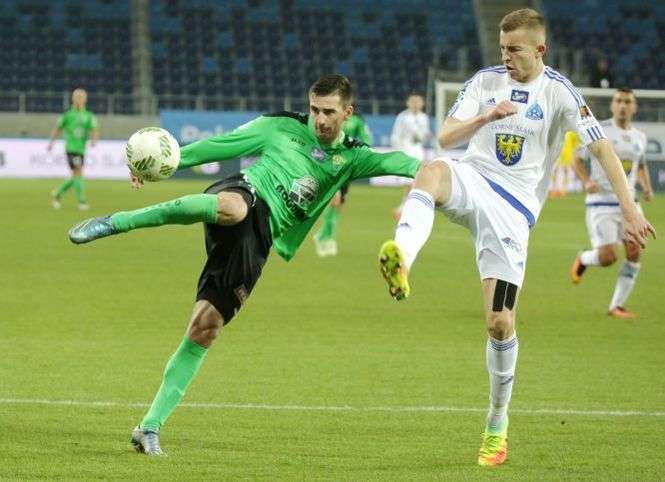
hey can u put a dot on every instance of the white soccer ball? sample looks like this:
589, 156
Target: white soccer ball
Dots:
152, 154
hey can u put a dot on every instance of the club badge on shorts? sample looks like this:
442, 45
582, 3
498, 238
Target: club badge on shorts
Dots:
509, 148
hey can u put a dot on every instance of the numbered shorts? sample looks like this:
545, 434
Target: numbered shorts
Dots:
236, 254
75, 160
499, 230
605, 224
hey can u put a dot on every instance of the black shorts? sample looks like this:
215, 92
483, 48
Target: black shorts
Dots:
236, 254
75, 160
344, 190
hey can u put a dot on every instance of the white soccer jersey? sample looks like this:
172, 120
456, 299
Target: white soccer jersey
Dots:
630, 146
516, 154
410, 132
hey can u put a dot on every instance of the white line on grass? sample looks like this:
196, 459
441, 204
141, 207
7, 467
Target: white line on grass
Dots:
335, 408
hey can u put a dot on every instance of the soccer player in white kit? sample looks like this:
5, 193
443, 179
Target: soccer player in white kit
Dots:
411, 131
514, 117
603, 215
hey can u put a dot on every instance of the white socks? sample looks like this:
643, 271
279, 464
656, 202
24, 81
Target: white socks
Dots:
625, 283
590, 258
415, 224
501, 361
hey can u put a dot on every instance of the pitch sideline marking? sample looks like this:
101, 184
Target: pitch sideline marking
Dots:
335, 408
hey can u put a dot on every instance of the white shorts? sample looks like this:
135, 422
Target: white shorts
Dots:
500, 232
605, 224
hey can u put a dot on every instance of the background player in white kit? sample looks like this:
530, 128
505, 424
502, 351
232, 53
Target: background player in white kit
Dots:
514, 117
603, 215
411, 131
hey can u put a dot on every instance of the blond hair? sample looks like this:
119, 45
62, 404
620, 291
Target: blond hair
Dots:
523, 18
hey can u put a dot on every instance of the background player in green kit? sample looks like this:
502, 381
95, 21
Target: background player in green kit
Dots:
78, 124
303, 161
325, 240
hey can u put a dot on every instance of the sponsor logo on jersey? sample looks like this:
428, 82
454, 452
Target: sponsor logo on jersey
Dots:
509, 148
585, 112
300, 142
317, 154
521, 96
490, 101
303, 191
534, 112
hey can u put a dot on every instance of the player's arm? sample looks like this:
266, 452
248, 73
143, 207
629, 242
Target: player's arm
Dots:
582, 174
369, 164
465, 117
645, 180
55, 133
94, 131
636, 226
246, 140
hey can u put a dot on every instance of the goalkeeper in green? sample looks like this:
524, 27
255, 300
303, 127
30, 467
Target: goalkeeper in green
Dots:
303, 161
325, 240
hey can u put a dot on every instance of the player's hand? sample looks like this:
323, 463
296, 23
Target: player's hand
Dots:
135, 181
648, 195
590, 187
637, 228
502, 110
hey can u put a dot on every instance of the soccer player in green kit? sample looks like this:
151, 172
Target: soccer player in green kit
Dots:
303, 161
78, 124
325, 240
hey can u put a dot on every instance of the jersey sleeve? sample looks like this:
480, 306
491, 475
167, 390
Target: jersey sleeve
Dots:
577, 116
467, 104
93, 122
60, 123
370, 163
248, 139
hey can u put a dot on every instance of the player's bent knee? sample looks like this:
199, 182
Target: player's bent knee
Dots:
500, 325
205, 324
434, 178
632, 252
232, 208
607, 256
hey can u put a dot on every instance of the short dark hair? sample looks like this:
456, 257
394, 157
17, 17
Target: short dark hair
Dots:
331, 85
625, 90
524, 18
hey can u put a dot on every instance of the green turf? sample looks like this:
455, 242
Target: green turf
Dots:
97, 323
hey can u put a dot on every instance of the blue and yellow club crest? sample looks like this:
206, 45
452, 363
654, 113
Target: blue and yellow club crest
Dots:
509, 148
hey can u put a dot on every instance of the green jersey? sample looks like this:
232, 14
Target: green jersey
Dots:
76, 124
295, 174
356, 127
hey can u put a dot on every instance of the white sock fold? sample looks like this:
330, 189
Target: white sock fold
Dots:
590, 257
501, 360
625, 283
415, 224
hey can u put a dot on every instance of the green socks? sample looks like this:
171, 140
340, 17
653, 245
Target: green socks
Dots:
194, 208
78, 189
329, 226
64, 187
179, 372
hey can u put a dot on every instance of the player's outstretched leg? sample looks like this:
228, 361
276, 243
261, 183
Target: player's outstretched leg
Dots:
189, 209
325, 240
625, 283
432, 185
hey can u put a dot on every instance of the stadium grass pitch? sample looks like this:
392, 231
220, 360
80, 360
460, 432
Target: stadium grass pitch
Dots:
322, 375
